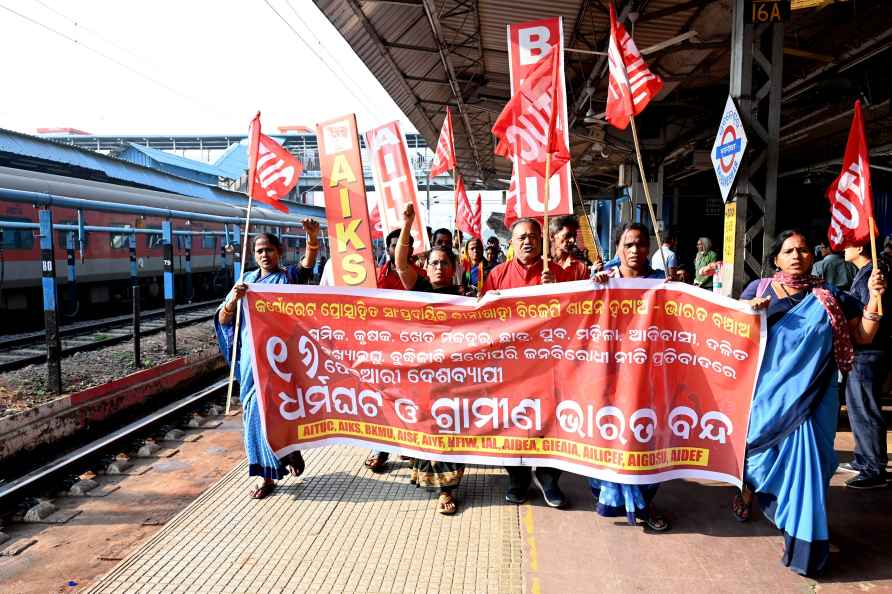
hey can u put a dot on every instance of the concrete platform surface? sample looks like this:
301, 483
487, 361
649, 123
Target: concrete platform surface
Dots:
341, 528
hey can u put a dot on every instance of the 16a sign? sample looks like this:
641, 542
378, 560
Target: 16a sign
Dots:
769, 11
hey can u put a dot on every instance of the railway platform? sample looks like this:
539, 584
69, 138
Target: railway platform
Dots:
341, 528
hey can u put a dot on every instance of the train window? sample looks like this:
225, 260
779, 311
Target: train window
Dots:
154, 240
17, 239
62, 236
209, 242
119, 241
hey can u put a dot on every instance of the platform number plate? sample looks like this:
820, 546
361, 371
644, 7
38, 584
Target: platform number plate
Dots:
769, 11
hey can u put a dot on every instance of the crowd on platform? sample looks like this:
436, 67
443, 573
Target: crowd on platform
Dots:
818, 327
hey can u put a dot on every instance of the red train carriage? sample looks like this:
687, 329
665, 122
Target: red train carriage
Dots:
102, 268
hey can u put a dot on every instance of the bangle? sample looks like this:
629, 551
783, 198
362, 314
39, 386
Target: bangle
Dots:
409, 244
872, 316
227, 310
313, 246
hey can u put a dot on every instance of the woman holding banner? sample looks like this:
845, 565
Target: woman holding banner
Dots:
262, 462
440, 269
790, 456
617, 499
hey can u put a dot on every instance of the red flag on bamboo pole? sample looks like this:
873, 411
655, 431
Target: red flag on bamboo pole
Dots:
272, 170
468, 217
850, 195
631, 85
527, 126
512, 202
444, 157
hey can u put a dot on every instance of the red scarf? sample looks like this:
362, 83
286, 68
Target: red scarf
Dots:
842, 339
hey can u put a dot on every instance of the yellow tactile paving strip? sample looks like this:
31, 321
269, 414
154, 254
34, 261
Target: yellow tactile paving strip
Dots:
340, 528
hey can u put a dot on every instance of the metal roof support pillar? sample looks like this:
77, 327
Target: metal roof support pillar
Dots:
170, 320
134, 294
756, 87
50, 299
237, 242
190, 292
71, 285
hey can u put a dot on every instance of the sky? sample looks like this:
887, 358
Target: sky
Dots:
179, 67
187, 67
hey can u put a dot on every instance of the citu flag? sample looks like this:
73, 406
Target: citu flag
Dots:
631, 86
468, 218
512, 203
850, 195
375, 223
272, 170
527, 127
444, 157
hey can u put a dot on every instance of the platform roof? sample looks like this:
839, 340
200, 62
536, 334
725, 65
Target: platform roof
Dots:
180, 162
23, 151
428, 54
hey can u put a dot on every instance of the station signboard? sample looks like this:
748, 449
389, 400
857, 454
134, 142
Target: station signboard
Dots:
728, 148
768, 11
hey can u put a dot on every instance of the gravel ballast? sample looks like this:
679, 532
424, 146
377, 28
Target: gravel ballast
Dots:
27, 387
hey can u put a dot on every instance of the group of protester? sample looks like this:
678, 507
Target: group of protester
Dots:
814, 330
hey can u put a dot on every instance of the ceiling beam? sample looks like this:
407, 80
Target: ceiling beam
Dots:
436, 29
370, 30
668, 11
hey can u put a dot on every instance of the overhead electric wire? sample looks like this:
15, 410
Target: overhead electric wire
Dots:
334, 58
95, 33
346, 86
111, 59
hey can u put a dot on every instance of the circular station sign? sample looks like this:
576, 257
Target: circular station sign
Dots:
728, 148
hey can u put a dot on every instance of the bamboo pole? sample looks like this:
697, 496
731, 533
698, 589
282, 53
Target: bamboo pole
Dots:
545, 218
457, 238
650, 206
238, 308
873, 255
591, 229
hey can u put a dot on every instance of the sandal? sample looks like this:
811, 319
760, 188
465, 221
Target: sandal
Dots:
377, 462
446, 504
741, 508
263, 490
295, 464
653, 520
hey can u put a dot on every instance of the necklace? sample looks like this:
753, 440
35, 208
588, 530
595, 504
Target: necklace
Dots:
790, 297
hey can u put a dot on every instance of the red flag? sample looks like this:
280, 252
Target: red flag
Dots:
512, 202
375, 220
631, 85
272, 170
444, 158
527, 126
851, 199
468, 218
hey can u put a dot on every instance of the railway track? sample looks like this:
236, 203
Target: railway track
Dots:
19, 489
21, 350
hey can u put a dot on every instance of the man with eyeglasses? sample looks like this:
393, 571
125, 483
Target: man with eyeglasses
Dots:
527, 269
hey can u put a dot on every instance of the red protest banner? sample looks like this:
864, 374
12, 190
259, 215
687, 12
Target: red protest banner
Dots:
395, 181
349, 230
639, 382
528, 43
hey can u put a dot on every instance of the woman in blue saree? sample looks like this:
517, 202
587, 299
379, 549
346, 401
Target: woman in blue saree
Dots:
262, 462
790, 457
620, 499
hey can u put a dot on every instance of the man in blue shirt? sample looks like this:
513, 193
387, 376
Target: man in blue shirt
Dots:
864, 384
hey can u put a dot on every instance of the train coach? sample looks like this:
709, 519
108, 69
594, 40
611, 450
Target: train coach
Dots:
93, 266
